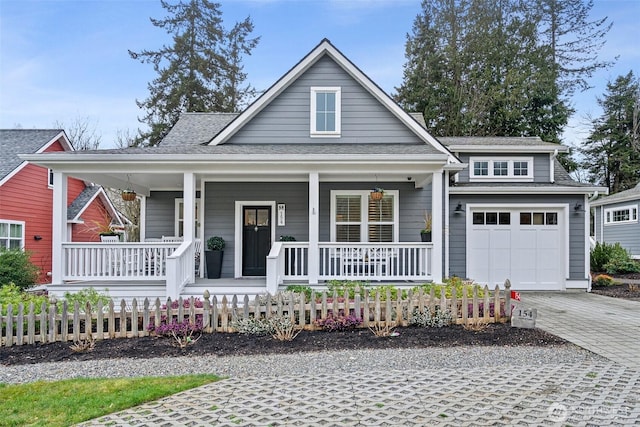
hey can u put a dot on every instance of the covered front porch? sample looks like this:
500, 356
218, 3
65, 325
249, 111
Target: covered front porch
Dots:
342, 232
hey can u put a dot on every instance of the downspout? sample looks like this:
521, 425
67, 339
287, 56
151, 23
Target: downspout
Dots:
552, 166
587, 211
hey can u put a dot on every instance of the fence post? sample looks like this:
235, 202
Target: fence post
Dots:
507, 299
52, 318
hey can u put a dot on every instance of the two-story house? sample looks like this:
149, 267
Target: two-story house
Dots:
26, 198
303, 160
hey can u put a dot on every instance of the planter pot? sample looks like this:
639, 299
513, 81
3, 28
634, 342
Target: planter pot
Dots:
214, 263
426, 237
377, 195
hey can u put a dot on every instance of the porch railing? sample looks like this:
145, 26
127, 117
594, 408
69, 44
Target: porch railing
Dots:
116, 261
350, 261
376, 261
180, 269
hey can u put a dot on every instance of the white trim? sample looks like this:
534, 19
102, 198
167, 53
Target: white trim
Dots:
587, 246
364, 212
445, 247
508, 149
143, 218
314, 228
436, 235
9, 222
555, 189
608, 215
510, 176
237, 268
562, 207
59, 220
314, 91
202, 225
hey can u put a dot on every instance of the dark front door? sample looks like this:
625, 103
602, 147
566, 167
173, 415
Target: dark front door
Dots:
256, 240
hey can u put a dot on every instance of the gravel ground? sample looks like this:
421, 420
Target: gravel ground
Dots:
303, 363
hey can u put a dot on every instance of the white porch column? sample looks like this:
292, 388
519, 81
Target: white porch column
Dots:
188, 230
436, 215
59, 226
314, 227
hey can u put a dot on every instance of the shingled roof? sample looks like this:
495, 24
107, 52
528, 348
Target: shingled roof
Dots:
197, 128
80, 202
21, 141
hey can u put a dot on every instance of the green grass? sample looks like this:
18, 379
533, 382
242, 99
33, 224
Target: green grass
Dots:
67, 402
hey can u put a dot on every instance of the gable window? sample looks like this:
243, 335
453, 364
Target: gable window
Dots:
11, 234
621, 215
504, 169
355, 217
179, 218
325, 111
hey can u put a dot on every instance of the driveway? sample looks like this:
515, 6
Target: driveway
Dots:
609, 327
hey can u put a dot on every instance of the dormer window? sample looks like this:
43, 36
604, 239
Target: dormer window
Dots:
325, 112
503, 169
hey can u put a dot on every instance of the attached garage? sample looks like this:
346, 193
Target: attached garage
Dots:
525, 244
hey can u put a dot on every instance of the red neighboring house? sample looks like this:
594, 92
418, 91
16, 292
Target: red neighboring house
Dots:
26, 198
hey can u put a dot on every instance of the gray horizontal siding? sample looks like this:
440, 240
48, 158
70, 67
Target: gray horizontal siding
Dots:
219, 211
458, 232
628, 235
160, 213
541, 165
287, 118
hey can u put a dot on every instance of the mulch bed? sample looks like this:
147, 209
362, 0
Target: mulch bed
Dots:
620, 289
220, 344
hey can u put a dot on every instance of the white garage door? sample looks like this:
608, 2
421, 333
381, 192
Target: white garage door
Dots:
525, 246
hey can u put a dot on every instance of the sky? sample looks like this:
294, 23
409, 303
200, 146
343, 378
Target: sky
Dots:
66, 60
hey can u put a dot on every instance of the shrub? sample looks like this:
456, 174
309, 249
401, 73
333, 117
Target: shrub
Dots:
342, 286
613, 259
392, 290
12, 294
450, 284
16, 268
339, 322
426, 319
86, 295
603, 280
181, 332
252, 326
622, 266
283, 329
300, 289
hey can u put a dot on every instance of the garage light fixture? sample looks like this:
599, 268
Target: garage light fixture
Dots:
458, 210
578, 208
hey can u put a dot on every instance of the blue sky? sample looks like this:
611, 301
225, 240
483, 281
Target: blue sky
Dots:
63, 59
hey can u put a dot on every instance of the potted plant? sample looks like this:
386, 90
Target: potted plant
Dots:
128, 195
377, 193
213, 255
425, 233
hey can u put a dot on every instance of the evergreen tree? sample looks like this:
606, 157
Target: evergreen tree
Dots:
612, 151
201, 71
501, 68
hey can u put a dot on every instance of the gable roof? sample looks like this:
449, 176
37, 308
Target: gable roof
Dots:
623, 196
25, 141
325, 48
85, 198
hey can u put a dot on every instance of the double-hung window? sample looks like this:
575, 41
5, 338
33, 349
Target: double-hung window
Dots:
355, 217
325, 111
621, 215
11, 234
501, 169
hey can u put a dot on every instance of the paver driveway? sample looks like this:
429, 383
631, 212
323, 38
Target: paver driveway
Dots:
606, 326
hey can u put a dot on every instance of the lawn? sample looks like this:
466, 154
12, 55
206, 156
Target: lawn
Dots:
67, 402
